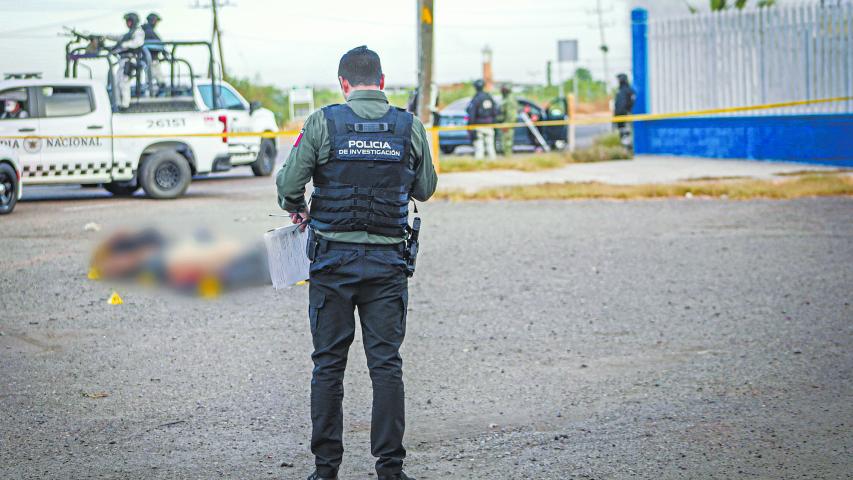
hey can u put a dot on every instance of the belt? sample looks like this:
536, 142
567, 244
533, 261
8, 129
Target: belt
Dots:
332, 245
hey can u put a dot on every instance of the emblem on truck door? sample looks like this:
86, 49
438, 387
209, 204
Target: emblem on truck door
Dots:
32, 145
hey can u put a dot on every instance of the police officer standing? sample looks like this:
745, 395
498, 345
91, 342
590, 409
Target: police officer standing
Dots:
482, 111
508, 114
367, 160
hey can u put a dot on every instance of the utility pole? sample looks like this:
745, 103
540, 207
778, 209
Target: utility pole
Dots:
548, 73
604, 48
425, 44
216, 35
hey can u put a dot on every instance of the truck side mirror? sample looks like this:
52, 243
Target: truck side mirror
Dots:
254, 106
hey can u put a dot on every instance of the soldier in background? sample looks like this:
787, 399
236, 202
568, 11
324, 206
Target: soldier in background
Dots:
126, 43
508, 114
482, 111
151, 22
154, 45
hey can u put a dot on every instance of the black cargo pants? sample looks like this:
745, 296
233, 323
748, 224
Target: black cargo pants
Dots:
373, 279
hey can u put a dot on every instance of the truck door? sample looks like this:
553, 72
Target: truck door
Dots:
75, 151
21, 122
239, 119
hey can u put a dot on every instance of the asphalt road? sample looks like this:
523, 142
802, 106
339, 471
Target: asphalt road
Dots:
593, 339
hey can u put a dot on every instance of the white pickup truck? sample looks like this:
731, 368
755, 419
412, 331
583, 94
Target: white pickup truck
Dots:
62, 135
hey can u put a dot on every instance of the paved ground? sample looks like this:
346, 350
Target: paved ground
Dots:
642, 169
650, 339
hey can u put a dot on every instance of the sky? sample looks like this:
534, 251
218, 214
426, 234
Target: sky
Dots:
298, 43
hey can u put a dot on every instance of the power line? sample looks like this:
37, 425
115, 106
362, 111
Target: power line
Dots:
87, 18
216, 36
603, 47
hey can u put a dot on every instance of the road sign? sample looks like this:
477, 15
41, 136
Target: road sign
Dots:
567, 50
301, 102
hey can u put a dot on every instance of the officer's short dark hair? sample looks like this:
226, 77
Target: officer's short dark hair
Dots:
360, 66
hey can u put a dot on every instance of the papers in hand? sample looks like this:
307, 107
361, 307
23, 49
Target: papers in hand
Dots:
286, 254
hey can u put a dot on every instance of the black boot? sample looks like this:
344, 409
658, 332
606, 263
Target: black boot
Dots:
316, 476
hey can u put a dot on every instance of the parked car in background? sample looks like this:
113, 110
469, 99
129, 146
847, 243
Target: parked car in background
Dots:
455, 115
10, 180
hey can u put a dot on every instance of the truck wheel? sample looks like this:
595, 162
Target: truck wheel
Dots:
265, 163
447, 149
8, 188
165, 174
122, 189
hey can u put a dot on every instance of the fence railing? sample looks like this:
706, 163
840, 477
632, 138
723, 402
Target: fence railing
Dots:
752, 57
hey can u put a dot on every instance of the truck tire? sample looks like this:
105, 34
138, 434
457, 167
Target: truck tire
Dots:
265, 163
165, 174
448, 149
8, 188
122, 189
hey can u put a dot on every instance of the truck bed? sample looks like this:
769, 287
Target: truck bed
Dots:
165, 104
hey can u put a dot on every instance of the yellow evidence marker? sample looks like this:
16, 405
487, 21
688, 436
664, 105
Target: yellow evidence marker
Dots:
209, 287
115, 299
94, 274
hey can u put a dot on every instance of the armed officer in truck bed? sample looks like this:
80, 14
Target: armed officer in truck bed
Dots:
367, 160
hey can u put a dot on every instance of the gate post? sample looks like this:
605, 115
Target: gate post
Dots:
640, 67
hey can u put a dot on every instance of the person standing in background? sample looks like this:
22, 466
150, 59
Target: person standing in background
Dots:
482, 111
623, 105
508, 114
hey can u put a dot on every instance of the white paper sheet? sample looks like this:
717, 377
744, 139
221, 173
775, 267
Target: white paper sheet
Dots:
286, 253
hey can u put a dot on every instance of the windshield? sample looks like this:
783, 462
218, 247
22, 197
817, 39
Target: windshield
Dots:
227, 98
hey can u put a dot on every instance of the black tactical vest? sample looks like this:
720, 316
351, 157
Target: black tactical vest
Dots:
366, 183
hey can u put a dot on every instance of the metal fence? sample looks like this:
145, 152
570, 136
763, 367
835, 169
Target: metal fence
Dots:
751, 57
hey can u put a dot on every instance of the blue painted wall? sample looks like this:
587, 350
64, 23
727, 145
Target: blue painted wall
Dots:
820, 139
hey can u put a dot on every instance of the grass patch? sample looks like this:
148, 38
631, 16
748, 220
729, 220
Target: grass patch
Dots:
522, 162
604, 148
810, 185
797, 173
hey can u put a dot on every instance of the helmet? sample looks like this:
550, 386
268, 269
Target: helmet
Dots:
622, 78
131, 18
152, 18
478, 85
506, 88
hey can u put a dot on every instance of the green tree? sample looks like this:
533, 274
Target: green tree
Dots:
719, 5
270, 96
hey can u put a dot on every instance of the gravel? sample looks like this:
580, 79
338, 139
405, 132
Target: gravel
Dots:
594, 339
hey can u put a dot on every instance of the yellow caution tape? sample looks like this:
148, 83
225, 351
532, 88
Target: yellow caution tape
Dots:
589, 120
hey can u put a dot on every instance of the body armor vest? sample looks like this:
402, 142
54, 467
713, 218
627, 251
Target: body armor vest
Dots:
366, 183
